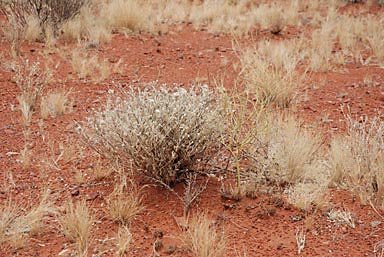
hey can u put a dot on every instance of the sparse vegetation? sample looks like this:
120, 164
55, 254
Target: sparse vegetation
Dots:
31, 80
18, 224
259, 119
357, 159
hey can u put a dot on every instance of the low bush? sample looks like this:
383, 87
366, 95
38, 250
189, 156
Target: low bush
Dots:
161, 133
48, 12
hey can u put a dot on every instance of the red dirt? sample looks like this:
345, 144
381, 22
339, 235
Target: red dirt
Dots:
264, 226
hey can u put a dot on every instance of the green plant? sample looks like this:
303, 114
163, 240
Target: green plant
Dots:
161, 133
243, 126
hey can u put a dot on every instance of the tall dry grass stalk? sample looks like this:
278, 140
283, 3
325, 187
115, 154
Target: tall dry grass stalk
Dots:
31, 80
76, 224
123, 240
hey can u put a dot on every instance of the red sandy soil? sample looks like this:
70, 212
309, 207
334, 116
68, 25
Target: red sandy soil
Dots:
264, 226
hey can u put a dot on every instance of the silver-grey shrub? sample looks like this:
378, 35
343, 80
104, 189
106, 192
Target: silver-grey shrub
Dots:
162, 133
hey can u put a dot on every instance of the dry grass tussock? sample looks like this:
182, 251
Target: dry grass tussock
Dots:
362, 39
31, 80
124, 203
76, 224
86, 26
287, 156
357, 159
55, 104
292, 149
161, 133
91, 66
269, 72
306, 195
127, 15
203, 239
18, 224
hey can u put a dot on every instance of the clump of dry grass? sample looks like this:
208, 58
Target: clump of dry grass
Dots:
55, 104
305, 195
33, 29
271, 18
126, 15
342, 217
357, 160
91, 67
17, 223
125, 203
222, 16
87, 26
162, 133
293, 149
270, 72
284, 155
76, 224
203, 239
31, 80
322, 43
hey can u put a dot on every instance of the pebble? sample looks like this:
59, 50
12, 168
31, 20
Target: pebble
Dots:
75, 192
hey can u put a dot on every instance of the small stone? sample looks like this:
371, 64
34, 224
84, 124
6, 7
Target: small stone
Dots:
92, 196
75, 192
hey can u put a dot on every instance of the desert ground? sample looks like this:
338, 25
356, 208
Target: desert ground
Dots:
192, 128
